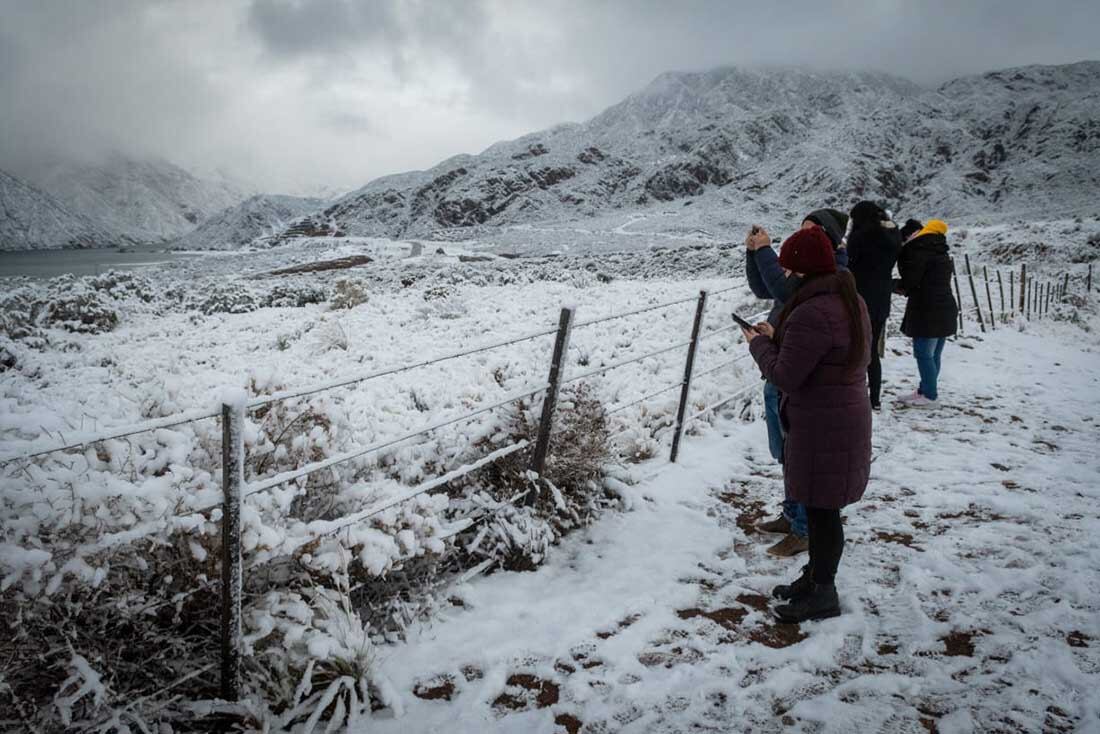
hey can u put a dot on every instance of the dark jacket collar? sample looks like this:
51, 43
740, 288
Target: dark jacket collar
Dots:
932, 242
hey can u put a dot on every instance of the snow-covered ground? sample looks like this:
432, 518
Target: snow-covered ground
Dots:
969, 582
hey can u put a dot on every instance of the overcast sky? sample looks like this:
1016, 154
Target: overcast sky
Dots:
293, 94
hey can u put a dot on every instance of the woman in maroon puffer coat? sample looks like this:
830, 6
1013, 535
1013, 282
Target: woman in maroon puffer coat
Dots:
817, 356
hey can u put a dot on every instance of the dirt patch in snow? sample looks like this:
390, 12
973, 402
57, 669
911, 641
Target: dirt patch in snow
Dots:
570, 722
437, 689
729, 617
899, 538
777, 635
524, 691
759, 602
961, 643
623, 624
750, 511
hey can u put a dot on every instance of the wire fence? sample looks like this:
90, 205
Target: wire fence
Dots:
1002, 297
235, 488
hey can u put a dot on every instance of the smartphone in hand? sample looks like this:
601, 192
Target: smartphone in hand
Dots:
742, 323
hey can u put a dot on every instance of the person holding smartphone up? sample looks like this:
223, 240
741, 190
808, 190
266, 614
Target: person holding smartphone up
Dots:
817, 355
769, 280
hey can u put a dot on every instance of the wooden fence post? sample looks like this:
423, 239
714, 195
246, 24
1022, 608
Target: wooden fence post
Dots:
1065, 286
958, 293
557, 362
232, 574
989, 299
1046, 309
1011, 293
1029, 296
1088, 280
689, 366
1001, 288
1023, 287
974, 293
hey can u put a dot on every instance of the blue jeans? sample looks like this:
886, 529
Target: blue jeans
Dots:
928, 351
793, 511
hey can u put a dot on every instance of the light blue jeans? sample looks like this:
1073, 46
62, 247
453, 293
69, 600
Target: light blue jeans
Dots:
793, 511
928, 351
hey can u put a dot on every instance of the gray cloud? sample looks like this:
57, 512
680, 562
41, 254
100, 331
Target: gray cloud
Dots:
294, 93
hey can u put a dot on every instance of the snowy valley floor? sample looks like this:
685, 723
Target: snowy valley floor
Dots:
969, 583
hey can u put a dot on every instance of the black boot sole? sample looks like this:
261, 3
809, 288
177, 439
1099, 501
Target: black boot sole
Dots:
824, 614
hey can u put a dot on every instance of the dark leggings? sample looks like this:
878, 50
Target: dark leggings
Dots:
874, 369
826, 543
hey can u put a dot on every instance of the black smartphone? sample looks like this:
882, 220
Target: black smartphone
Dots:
742, 323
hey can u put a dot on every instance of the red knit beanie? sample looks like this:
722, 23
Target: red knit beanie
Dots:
808, 251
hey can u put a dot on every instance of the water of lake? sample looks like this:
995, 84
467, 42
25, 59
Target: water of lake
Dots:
50, 263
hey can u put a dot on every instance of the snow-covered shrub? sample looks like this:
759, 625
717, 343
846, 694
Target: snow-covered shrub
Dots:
314, 661
228, 297
347, 294
293, 295
17, 314
8, 358
82, 310
568, 495
330, 335
438, 292
121, 285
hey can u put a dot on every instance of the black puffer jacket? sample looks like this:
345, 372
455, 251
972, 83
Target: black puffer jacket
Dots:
872, 252
926, 270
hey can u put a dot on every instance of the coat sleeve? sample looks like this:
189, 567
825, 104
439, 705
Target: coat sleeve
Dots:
842, 258
771, 272
857, 250
806, 340
752, 273
911, 265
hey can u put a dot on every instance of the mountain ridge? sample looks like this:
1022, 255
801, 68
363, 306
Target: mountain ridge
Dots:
774, 135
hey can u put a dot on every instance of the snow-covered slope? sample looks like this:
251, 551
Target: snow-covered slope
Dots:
256, 217
1023, 141
31, 219
147, 200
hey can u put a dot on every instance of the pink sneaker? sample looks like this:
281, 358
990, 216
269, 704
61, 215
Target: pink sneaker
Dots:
920, 402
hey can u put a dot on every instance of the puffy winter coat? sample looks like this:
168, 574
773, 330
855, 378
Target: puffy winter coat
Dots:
872, 252
925, 269
825, 406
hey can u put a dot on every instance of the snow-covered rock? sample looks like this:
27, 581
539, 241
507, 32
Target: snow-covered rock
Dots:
1023, 142
31, 219
257, 217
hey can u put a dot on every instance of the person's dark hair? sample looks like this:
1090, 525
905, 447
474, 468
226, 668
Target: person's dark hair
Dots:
848, 294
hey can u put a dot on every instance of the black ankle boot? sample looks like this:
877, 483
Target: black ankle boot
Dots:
821, 602
799, 587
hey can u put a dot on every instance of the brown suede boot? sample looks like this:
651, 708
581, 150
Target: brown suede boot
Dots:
790, 546
779, 525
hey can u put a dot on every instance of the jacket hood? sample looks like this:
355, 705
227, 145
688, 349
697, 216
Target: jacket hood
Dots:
932, 242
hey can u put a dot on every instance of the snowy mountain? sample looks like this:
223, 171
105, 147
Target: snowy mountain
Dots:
257, 217
147, 200
31, 219
1022, 142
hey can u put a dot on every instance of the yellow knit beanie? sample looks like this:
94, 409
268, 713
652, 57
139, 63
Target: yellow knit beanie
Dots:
934, 226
